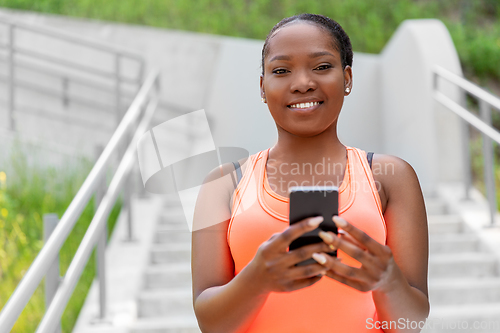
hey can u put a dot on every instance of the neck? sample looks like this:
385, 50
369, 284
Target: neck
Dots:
293, 148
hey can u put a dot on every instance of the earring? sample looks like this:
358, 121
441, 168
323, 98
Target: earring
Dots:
263, 99
347, 90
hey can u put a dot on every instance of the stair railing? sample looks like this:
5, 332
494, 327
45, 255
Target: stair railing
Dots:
115, 81
140, 111
486, 101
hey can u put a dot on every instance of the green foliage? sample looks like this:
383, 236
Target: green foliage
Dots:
26, 194
474, 24
477, 165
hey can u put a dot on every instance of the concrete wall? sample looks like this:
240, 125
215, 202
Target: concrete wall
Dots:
390, 109
415, 128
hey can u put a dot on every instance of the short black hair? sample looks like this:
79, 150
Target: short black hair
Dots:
341, 41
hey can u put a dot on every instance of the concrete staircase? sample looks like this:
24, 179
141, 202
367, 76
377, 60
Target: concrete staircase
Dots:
464, 279
165, 303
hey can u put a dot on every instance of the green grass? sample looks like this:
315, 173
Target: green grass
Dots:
473, 24
26, 194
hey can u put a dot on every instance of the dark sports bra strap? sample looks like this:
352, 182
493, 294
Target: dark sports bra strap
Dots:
369, 156
238, 172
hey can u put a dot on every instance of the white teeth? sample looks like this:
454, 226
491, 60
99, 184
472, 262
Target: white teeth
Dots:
304, 105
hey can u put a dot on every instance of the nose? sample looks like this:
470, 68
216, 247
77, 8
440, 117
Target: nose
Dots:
303, 82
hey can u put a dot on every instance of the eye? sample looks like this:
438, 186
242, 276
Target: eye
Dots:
323, 67
279, 71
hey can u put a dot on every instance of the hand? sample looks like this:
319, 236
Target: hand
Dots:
274, 267
378, 269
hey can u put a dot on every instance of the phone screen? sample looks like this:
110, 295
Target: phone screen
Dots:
309, 201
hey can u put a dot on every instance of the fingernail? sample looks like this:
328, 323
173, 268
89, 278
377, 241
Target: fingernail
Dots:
325, 237
315, 221
319, 258
339, 222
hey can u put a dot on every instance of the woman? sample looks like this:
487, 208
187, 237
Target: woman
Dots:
244, 277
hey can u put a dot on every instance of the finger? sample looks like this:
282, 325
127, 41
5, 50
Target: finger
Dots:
368, 260
348, 282
307, 271
303, 283
371, 262
362, 237
346, 271
295, 231
303, 253
345, 236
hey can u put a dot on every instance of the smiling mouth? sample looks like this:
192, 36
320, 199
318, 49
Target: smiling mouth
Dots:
307, 105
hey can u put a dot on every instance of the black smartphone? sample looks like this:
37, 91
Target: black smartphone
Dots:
309, 201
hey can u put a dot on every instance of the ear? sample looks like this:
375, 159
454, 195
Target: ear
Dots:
262, 91
347, 79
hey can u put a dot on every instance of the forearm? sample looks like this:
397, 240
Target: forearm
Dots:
402, 304
231, 307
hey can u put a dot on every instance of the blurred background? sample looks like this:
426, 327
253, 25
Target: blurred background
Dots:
29, 189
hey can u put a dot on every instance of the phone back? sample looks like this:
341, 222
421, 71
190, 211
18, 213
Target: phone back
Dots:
313, 201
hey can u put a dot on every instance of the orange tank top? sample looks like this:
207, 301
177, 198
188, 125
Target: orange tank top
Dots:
327, 306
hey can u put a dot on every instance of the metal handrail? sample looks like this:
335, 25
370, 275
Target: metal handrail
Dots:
470, 87
102, 107
469, 117
49, 252
71, 38
487, 101
65, 76
115, 74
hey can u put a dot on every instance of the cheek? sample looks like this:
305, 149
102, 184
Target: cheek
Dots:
276, 86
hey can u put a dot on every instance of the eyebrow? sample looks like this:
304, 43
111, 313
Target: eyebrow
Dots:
312, 55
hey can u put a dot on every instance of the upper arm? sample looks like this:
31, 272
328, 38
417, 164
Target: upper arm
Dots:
211, 260
406, 219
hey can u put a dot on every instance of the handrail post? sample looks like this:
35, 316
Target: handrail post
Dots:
52, 277
101, 244
466, 162
117, 89
489, 162
10, 85
127, 205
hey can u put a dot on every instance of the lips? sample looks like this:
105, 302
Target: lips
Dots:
304, 105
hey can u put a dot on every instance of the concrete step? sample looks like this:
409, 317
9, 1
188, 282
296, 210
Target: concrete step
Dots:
171, 253
178, 324
477, 318
453, 243
168, 276
172, 216
172, 235
435, 206
165, 303
439, 224
464, 291
467, 264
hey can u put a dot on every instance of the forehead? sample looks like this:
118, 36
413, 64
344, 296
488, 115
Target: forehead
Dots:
301, 36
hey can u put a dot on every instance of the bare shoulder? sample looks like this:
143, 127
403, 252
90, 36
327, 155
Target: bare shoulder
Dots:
394, 177
391, 169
